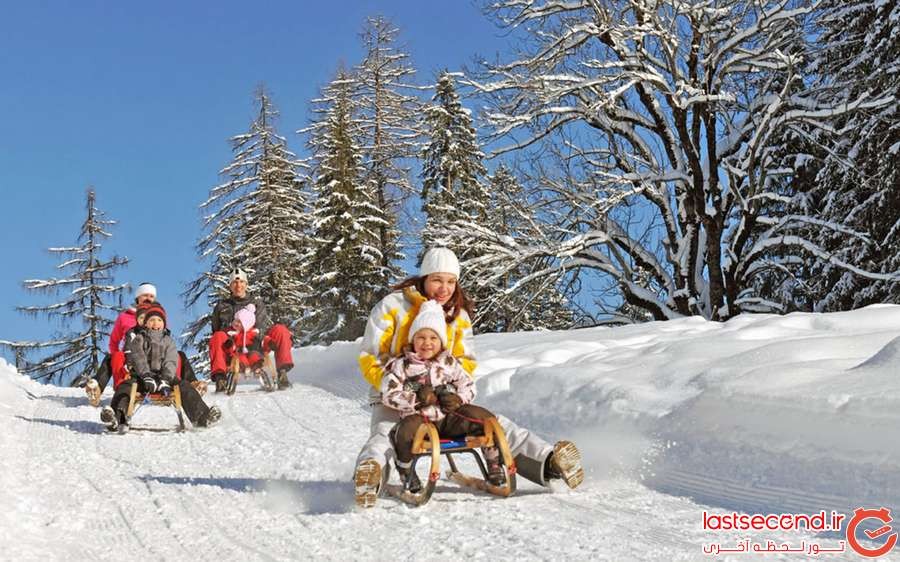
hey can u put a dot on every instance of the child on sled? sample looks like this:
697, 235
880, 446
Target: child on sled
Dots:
244, 335
152, 361
427, 384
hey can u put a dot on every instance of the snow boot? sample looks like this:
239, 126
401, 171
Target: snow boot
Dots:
283, 381
211, 417
496, 474
221, 381
565, 463
409, 478
92, 389
367, 482
108, 416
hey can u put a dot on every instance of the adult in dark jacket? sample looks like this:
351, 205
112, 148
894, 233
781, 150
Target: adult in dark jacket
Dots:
275, 337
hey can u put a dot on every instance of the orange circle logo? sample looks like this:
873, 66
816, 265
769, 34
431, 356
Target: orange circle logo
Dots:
860, 515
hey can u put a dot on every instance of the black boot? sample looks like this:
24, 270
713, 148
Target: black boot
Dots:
496, 473
283, 381
410, 479
110, 418
221, 381
210, 418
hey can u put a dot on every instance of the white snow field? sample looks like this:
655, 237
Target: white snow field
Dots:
762, 414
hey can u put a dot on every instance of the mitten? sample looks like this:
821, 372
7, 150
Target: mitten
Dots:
425, 396
448, 398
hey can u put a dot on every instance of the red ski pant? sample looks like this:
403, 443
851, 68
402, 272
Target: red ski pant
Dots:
277, 339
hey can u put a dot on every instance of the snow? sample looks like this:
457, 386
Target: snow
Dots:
762, 414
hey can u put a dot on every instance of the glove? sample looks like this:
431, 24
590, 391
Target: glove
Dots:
148, 383
425, 396
448, 398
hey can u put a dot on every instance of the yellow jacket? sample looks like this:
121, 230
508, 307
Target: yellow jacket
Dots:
387, 332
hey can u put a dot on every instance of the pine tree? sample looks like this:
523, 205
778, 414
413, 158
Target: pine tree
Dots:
388, 130
90, 285
452, 164
346, 264
453, 191
858, 178
257, 220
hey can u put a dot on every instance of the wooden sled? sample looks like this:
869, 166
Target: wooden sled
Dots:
262, 371
137, 400
423, 446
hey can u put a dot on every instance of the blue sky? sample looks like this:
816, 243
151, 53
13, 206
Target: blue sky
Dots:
138, 100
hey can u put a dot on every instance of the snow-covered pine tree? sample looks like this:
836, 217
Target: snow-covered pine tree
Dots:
346, 268
89, 288
858, 181
671, 109
388, 114
258, 220
454, 191
452, 165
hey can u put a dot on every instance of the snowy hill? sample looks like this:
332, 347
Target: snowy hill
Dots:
762, 414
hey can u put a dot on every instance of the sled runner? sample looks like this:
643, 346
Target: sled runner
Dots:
423, 447
137, 401
242, 364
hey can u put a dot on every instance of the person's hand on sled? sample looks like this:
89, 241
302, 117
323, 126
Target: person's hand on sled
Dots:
148, 383
425, 396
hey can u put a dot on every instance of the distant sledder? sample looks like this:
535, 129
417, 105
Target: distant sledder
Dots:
152, 376
433, 394
237, 348
114, 362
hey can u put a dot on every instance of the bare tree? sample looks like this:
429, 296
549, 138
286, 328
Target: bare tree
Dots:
671, 109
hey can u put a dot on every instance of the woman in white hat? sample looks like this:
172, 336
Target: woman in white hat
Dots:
387, 332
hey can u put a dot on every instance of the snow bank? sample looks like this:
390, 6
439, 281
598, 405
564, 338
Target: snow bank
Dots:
797, 412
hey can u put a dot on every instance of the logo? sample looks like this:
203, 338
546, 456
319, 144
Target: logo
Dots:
860, 515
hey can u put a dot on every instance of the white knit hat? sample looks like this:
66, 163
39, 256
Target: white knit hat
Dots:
439, 260
237, 273
145, 289
431, 316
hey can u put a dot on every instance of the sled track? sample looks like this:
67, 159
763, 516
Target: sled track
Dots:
619, 500
106, 536
268, 482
